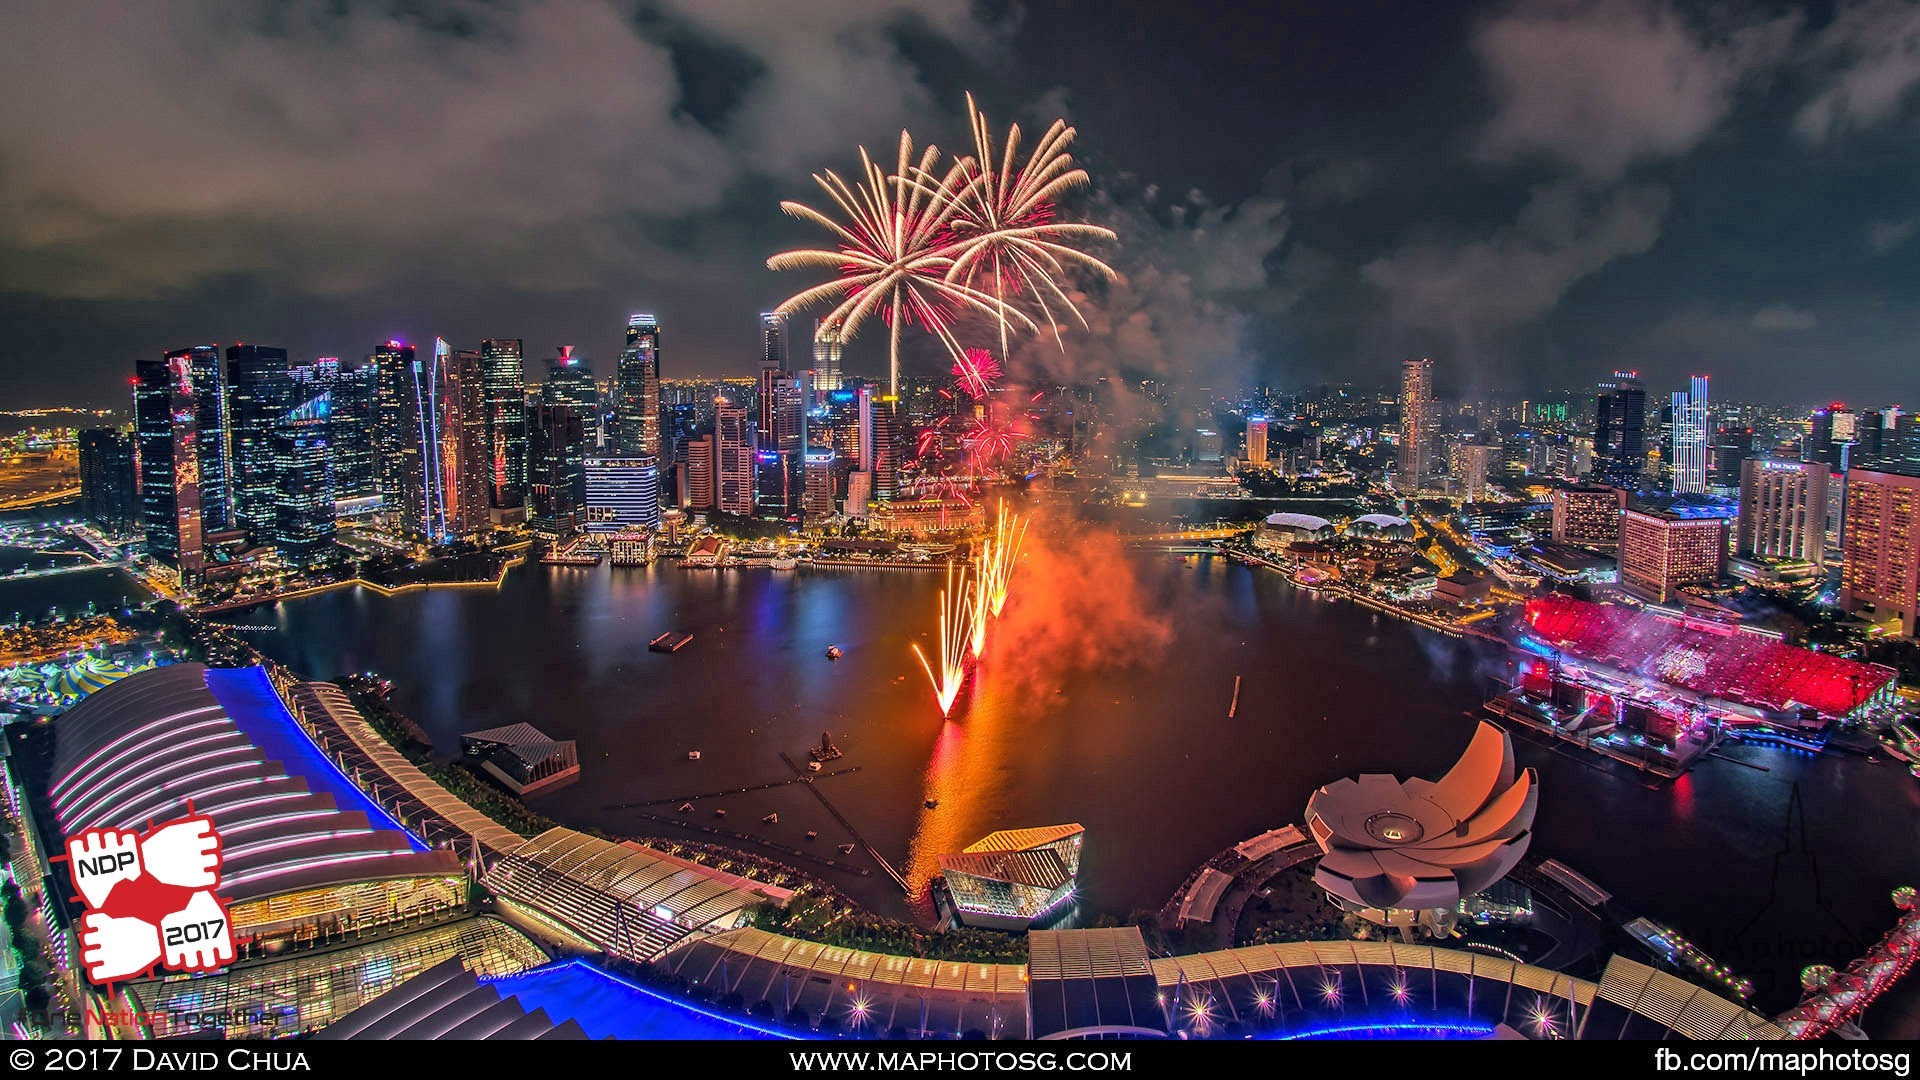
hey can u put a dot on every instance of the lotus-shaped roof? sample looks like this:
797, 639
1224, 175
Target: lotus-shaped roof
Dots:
1392, 843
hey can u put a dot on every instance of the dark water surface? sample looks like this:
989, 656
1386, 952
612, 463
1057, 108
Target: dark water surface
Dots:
1139, 748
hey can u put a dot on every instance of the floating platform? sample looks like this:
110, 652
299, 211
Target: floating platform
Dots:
671, 641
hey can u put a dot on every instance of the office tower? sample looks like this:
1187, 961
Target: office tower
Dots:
1691, 426
569, 385
866, 413
503, 370
886, 455
261, 393
699, 491
1732, 446
774, 495
355, 391
556, 468
781, 411
1900, 443
623, 494
1880, 559
636, 391
299, 438
678, 422
817, 499
1257, 441
1663, 551
211, 439
166, 431
859, 494
1783, 510
396, 441
773, 340
1588, 516
734, 447
1419, 423
1480, 463
827, 343
1620, 431
109, 497
467, 467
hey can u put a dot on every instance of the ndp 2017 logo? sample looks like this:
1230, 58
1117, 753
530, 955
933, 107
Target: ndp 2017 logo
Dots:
151, 900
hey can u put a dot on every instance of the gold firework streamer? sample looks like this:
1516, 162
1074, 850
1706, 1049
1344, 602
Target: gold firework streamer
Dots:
954, 625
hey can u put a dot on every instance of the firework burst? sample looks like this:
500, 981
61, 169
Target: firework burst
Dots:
955, 625
975, 372
895, 253
1005, 234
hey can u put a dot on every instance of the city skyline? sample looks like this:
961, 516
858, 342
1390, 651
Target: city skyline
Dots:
1531, 218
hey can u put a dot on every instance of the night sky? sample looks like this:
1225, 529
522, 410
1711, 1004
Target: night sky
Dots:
1531, 193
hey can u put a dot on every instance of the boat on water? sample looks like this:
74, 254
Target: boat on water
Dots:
783, 562
813, 834
719, 813
686, 808
846, 849
834, 653
693, 755
671, 641
770, 819
813, 766
931, 803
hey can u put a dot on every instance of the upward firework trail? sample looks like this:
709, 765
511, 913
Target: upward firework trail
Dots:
1003, 223
955, 612
980, 600
895, 253
1008, 534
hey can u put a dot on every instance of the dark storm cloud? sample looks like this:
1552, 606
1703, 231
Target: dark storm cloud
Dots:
153, 147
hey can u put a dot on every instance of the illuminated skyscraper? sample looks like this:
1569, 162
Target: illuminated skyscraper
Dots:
827, 344
699, 493
1692, 429
1662, 551
300, 438
1620, 431
503, 369
1419, 424
773, 339
636, 391
734, 446
570, 385
1257, 441
467, 468
166, 432
109, 480
1783, 510
396, 439
260, 386
817, 500
211, 422
354, 392
1588, 516
556, 469
623, 494
1880, 561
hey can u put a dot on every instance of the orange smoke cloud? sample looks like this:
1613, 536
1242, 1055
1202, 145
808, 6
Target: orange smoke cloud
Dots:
1077, 604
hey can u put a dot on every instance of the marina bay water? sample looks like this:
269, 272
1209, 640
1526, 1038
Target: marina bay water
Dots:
1134, 742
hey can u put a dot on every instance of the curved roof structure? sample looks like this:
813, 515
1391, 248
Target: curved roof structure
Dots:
1302, 522
288, 820
1392, 843
1381, 521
